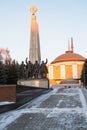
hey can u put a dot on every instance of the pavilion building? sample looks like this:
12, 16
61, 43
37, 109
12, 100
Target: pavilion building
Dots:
66, 66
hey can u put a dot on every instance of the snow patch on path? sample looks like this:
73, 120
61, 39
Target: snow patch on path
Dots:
7, 118
5, 103
37, 101
82, 98
32, 107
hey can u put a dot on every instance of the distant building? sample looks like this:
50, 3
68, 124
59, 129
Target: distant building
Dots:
66, 66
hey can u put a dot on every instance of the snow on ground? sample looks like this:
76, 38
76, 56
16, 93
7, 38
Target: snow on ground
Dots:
61, 108
82, 98
4, 103
8, 117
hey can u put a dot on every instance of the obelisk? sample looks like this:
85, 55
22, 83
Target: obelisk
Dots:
34, 51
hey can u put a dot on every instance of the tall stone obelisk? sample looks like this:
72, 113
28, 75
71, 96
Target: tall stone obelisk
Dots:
34, 51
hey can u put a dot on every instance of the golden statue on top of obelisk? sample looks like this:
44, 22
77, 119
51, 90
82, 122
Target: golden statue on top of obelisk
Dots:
33, 9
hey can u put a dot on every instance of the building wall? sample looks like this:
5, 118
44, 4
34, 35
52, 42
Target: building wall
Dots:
64, 70
68, 71
8, 93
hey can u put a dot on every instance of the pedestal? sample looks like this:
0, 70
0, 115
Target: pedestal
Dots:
39, 83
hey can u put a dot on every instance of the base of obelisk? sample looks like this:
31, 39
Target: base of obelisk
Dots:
39, 83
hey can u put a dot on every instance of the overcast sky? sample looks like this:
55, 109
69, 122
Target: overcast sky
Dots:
58, 20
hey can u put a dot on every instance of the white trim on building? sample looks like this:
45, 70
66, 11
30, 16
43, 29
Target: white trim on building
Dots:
62, 71
51, 72
74, 71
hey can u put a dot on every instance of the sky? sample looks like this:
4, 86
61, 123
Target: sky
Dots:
58, 20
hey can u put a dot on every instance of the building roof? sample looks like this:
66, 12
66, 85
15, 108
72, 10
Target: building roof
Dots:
68, 56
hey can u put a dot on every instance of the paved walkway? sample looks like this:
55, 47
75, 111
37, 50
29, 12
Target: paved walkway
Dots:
60, 109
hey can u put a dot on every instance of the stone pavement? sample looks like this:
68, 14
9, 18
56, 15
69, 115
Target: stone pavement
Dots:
60, 109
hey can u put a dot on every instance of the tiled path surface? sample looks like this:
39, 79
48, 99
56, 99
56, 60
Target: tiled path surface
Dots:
60, 109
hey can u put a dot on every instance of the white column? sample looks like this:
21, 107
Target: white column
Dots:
74, 71
50, 72
62, 71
